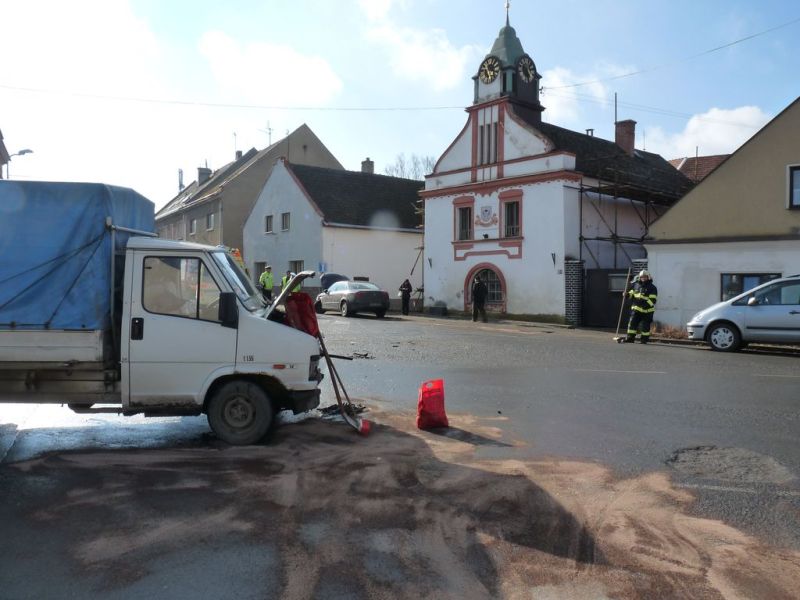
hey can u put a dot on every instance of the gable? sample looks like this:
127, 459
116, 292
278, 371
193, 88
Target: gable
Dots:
747, 195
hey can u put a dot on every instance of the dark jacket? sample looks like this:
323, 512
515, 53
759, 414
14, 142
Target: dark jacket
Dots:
479, 293
643, 296
406, 289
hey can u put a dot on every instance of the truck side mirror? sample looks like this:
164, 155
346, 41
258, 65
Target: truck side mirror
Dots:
228, 310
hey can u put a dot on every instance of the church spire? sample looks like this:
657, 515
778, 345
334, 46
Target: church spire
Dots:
508, 5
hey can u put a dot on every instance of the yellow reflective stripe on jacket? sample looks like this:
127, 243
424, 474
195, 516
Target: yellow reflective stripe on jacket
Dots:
643, 310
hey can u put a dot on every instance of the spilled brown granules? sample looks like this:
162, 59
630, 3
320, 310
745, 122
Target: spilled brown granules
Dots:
408, 514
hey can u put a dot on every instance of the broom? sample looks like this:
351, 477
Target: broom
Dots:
617, 337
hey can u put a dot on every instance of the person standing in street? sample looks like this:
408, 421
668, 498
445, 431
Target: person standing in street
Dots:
286, 279
405, 295
479, 293
644, 295
267, 283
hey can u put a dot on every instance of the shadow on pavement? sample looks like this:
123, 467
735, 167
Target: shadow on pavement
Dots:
320, 512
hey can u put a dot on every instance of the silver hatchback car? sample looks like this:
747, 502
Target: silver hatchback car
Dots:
768, 313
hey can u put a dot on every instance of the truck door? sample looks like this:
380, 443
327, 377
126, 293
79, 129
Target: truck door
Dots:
176, 340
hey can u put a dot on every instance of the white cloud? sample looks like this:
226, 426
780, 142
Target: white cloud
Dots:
565, 103
717, 131
426, 57
266, 73
376, 10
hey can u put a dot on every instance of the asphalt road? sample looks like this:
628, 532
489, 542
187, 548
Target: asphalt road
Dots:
722, 427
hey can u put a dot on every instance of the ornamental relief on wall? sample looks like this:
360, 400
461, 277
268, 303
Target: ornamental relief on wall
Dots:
486, 217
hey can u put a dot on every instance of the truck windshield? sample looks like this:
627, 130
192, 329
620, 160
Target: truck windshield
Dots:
238, 281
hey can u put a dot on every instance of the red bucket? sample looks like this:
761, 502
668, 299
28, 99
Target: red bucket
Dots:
430, 405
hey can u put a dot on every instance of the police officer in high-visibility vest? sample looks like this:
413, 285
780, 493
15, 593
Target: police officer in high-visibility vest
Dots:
286, 279
267, 283
643, 296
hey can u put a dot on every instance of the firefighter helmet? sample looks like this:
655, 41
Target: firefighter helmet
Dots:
644, 274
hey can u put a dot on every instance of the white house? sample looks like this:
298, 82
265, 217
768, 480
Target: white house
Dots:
534, 208
357, 224
738, 228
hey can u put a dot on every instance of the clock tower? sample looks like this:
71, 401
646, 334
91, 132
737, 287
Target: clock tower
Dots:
508, 72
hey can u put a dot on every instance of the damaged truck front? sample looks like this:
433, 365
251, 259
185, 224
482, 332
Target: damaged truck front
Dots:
99, 314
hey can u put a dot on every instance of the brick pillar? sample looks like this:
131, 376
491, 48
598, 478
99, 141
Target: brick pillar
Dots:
573, 288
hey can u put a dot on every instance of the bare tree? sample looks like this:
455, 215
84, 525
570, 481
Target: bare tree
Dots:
414, 168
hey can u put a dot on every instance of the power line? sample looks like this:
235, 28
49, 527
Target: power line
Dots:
669, 64
649, 109
225, 105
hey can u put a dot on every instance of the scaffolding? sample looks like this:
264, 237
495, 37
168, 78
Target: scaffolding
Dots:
646, 202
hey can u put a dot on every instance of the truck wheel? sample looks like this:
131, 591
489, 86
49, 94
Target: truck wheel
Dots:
240, 413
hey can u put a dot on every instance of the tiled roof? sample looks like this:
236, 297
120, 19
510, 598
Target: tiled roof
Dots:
363, 199
700, 167
642, 176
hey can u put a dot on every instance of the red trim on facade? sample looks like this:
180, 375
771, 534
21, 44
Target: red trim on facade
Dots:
461, 202
474, 154
501, 307
508, 162
450, 147
492, 185
506, 247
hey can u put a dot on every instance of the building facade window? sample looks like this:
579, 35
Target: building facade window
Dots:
511, 213
268, 224
794, 187
296, 266
285, 221
209, 221
192, 226
487, 143
464, 223
494, 286
463, 212
734, 284
511, 227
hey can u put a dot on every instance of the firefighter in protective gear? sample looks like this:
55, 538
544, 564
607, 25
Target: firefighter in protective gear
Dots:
643, 296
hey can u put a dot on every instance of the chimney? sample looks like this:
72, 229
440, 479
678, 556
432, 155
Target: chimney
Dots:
238, 154
367, 166
180, 180
203, 175
625, 135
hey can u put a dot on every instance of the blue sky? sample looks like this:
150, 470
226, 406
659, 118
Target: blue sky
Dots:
127, 92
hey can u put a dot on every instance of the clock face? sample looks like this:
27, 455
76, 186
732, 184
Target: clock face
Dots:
526, 69
489, 70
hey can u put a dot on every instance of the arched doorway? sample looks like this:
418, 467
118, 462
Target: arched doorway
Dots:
495, 282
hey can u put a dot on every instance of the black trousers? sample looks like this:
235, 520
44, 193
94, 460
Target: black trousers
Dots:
478, 308
406, 299
639, 322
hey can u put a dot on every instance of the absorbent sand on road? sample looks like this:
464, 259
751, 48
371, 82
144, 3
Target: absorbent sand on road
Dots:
324, 513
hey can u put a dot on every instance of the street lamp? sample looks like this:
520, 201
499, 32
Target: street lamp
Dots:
20, 153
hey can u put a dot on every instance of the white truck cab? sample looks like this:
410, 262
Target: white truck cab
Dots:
189, 335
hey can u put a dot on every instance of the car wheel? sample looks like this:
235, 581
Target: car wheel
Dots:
380, 313
346, 309
240, 413
724, 337
318, 308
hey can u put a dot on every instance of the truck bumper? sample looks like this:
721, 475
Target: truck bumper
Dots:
303, 401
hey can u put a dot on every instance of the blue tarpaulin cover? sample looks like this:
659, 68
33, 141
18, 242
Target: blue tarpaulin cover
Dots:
55, 251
